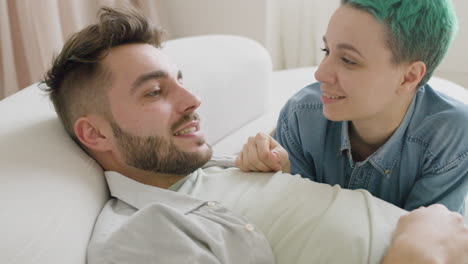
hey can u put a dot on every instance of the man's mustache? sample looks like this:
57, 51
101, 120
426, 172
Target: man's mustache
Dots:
184, 119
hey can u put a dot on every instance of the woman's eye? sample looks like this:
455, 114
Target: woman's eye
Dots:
345, 60
326, 51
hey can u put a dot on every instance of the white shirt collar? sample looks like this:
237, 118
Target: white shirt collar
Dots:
140, 195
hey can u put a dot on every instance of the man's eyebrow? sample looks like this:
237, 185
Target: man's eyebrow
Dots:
345, 46
146, 77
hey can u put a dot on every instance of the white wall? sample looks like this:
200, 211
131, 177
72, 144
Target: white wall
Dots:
199, 17
455, 65
261, 21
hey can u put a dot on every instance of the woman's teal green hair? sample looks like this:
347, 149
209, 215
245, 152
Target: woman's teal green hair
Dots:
418, 30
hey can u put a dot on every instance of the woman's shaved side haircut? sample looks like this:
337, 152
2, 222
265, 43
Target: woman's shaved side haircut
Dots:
417, 30
77, 81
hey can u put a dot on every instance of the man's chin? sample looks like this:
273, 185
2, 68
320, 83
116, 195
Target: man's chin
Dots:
193, 147
205, 151
194, 160
201, 151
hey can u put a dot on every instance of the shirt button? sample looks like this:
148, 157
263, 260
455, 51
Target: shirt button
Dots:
387, 171
249, 227
212, 204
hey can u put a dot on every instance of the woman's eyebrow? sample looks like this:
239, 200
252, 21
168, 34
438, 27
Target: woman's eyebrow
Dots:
345, 46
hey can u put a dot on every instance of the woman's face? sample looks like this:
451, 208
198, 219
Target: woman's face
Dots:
359, 80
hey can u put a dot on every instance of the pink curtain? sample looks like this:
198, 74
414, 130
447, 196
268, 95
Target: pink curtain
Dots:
32, 32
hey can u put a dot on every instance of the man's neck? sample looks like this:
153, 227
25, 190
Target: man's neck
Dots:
159, 180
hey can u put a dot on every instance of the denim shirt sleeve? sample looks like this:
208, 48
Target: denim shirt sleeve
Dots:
444, 174
286, 135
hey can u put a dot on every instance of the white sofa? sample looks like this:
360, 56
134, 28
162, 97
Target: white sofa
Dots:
51, 192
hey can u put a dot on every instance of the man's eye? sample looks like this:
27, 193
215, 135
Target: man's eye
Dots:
345, 60
327, 51
154, 93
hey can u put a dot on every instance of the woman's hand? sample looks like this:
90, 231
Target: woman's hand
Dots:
263, 153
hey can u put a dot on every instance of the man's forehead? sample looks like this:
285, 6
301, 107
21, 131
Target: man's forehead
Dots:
132, 60
138, 54
129, 62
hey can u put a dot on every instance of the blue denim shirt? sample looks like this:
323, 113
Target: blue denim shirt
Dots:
424, 162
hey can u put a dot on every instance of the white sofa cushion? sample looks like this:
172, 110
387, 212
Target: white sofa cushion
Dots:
284, 84
51, 191
231, 75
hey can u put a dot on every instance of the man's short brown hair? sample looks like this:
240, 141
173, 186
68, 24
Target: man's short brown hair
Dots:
77, 80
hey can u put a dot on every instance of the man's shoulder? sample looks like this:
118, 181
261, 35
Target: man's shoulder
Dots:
113, 216
124, 234
150, 233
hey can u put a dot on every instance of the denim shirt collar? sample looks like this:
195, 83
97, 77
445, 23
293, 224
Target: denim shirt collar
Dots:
386, 157
140, 195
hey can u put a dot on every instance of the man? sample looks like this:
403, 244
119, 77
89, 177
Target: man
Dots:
123, 101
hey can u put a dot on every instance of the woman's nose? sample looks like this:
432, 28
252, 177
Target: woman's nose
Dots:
325, 72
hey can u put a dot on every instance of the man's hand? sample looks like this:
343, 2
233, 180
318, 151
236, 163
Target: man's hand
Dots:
263, 153
429, 235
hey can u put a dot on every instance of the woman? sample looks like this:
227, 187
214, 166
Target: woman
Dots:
372, 122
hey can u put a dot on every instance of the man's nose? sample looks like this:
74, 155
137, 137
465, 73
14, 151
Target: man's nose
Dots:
187, 101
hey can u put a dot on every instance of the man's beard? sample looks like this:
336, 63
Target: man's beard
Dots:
156, 154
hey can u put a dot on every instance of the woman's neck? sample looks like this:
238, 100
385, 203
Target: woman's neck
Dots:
367, 136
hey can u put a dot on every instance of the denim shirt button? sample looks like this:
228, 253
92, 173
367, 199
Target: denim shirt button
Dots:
387, 172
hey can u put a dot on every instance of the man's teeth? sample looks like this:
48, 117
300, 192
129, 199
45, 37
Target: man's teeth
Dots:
333, 97
186, 131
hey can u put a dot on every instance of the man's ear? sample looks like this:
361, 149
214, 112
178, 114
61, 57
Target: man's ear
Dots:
414, 73
90, 131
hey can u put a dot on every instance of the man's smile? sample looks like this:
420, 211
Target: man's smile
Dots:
189, 128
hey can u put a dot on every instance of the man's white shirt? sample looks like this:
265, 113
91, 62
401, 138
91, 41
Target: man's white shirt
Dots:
303, 221
146, 224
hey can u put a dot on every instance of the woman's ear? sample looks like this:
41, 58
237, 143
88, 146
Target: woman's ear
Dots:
90, 131
414, 73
